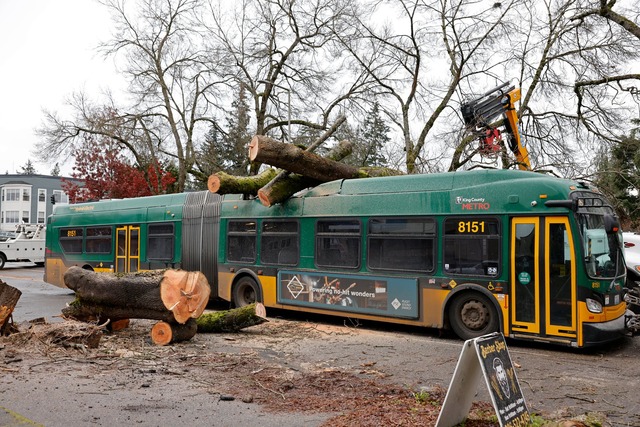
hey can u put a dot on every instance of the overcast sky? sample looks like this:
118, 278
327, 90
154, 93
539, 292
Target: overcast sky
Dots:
47, 51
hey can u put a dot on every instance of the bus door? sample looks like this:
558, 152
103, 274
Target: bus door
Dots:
543, 288
127, 248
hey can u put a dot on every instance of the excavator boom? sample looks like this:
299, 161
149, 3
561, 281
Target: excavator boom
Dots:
479, 114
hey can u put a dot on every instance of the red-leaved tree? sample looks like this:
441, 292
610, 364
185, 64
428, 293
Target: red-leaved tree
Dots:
108, 175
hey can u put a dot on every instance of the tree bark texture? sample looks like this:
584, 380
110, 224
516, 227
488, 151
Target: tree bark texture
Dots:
296, 160
223, 183
232, 320
285, 184
164, 333
92, 312
9, 297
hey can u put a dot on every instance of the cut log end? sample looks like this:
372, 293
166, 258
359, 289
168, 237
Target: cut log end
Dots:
213, 184
164, 333
186, 294
253, 147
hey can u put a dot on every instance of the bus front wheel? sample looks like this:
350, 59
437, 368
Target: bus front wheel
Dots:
472, 315
3, 260
246, 292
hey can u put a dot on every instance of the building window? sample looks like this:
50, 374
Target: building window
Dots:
25, 217
40, 217
12, 217
12, 194
42, 195
26, 195
60, 196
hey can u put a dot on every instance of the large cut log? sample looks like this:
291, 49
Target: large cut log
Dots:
9, 297
164, 333
92, 312
285, 184
223, 183
147, 295
232, 320
296, 160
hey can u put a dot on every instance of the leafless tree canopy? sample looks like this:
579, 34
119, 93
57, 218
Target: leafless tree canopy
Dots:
304, 63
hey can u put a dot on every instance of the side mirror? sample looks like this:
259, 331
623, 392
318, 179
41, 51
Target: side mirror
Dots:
611, 224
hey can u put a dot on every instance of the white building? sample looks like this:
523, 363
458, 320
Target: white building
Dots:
27, 198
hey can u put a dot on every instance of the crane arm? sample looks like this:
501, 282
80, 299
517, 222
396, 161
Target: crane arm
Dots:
480, 112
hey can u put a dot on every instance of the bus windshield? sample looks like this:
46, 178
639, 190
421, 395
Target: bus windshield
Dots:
603, 252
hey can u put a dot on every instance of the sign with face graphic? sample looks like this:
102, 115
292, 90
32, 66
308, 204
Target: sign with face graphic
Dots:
487, 357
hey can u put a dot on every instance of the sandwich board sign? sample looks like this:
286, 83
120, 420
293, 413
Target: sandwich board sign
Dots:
486, 356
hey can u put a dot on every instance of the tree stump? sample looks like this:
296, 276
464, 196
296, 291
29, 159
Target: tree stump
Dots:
9, 297
164, 333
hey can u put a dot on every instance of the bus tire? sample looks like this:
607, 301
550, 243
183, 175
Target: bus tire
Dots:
246, 291
472, 314
3, 260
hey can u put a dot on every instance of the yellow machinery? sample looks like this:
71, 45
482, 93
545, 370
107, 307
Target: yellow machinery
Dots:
479, 113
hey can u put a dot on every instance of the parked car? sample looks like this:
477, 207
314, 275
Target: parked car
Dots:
632, 257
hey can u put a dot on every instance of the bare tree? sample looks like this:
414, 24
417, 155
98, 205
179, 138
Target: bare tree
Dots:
284, 52
172, 87
420, 59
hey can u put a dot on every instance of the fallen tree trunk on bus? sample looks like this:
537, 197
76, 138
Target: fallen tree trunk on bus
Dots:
161, 295
286, 184
272, 186
9, 297
223, 183
232, 320
291, 158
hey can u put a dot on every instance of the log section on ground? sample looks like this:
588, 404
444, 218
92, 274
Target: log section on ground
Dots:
232, 320
160, 294
9, 297
164, 333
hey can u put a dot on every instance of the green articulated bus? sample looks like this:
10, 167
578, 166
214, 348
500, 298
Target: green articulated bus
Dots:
532, 256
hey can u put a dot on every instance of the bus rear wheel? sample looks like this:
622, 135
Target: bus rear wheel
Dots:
472, 315
246, 292
3, 261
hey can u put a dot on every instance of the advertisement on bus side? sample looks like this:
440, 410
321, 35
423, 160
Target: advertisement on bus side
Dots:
387, 296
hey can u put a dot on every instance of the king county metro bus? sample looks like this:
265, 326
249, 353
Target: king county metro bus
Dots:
532, 256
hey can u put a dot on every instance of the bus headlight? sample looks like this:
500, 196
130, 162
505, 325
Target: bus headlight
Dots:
594, 306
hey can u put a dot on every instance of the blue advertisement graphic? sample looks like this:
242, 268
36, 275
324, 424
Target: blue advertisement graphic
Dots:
386, 296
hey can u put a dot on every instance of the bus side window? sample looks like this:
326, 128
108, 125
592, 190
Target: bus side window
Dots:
98, 240
71, 240
279, 242
472, 246
241, 241
338, 243
403, 244
160, 241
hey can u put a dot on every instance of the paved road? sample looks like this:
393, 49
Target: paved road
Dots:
605, 380
38, 299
